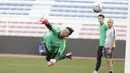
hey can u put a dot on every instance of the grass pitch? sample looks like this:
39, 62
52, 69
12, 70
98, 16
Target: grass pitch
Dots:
38, 65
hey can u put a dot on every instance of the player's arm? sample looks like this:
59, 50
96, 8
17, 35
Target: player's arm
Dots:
113, 39
48, 25
61, 49
106, 27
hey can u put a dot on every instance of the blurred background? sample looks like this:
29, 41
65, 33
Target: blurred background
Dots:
20, 31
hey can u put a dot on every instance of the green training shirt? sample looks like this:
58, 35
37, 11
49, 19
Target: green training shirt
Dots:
103, 29
54, 43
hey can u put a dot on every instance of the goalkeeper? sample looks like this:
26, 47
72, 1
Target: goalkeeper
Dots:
55, 42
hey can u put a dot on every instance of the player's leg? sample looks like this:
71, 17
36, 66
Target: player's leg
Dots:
110, 65
99, 57
69, 55
109, 62
61, 57
57, 57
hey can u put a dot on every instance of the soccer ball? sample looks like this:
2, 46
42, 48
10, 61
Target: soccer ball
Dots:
97, 7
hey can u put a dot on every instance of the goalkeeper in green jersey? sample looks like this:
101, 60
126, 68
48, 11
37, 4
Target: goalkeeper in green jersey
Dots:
55, 42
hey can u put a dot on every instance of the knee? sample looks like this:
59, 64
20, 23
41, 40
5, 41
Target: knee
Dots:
109, 61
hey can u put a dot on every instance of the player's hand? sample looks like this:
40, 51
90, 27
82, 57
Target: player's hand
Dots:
43, 21
51, 62
109, 52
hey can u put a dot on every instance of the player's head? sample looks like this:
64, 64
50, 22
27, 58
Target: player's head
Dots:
110, 23
66, 32
101, 18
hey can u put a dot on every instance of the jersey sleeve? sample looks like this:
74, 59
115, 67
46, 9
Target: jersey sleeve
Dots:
51, 28
55, 30
106, 27
62, 46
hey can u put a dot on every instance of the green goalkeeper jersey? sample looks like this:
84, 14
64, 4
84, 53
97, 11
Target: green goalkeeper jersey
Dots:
53, 42
103, 29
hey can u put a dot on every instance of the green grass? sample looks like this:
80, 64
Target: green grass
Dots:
38, 65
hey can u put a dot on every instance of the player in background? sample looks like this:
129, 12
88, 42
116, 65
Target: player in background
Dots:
41, 48
103, 28
55, 42
109, 45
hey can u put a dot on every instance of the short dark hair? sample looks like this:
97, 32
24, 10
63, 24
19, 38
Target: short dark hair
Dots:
101, 15
70, 29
